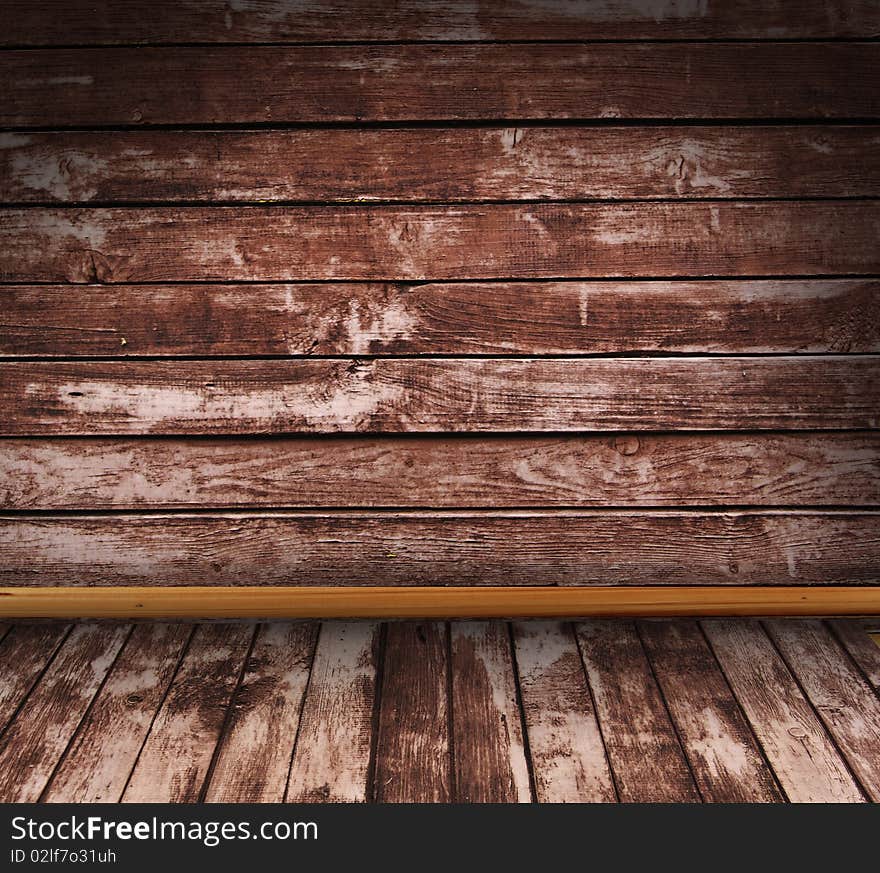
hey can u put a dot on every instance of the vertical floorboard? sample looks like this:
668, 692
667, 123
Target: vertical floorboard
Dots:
413, 762
106, 747
176, 756
725, 758
24, 654
489, 750
845, 702
331, 760
567, 752
42, 730
645, 754
806, 763
265, 716
854, 637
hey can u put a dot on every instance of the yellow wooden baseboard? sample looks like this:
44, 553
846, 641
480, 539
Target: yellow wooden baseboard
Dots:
434, 602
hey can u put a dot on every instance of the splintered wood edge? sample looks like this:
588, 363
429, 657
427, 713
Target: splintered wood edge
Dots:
389, 602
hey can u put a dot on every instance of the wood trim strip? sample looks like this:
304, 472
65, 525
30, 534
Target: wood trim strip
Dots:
388, 602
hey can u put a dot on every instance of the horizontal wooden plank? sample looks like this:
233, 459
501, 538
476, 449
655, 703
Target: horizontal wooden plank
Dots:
776, 469
403, 395
524, 163
584, 240
587, 547
408, 602
529, 318
163, 21
399, 83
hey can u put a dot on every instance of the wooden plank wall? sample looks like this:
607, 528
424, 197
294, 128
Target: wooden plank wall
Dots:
437, 293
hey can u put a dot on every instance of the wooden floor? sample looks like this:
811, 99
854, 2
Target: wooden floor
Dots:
711, 710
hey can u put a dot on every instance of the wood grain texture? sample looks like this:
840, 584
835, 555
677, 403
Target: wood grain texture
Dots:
504, 163
332, 757
643, 749
26, 651
566, 750
177, 754
588, 547
454, 242
395, 395
847, 705
724, 757
96, 766
413, 744
435, 602
526, 318
803, 757
128, 21
774, 469
399, 83
489, 754
264, 718
36, 739
854, 636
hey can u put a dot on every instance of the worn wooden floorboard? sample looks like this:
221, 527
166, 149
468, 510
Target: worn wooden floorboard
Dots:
487, 318
264, 717
176, 757
518, 470
724, 757
166, 22
203, 85
25, 652
489, 755
391, 395
43, 727
503, 714
566, 749
99, 761
567, 547
502, 163
644, 751
413, 744
331, 761
847, 705
854, 637
440, 242
806, 762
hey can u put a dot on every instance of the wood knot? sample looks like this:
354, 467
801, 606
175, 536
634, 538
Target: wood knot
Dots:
627, 445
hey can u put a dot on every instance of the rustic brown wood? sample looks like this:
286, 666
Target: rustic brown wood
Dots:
332, 755
457, 242
525, 163
25, 653
202, 85
394, 395
489, 754
100, 759
174, 761
162, 21
787, 469
413, 763
854, 636
806, 763
586, 547
565, 745
35, 741
643, 749
434, 602
725, 759
265, 717
847, 705
540, 318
